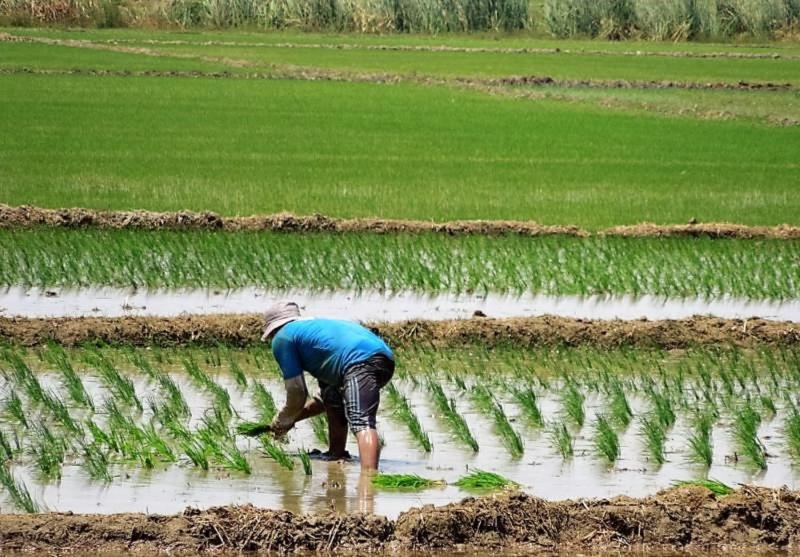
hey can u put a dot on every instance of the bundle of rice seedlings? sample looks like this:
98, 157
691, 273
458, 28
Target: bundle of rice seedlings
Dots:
404, 481
481, 479
715, 486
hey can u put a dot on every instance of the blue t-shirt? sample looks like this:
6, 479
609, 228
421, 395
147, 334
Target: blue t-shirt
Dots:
325, 348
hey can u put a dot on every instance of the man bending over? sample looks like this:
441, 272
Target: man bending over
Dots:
351, 365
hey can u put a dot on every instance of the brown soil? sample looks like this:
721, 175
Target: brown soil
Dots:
754, 519
28, 216
241, 330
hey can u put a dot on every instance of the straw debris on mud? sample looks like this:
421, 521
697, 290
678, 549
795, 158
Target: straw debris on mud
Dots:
25, 216
680, 518
242, 330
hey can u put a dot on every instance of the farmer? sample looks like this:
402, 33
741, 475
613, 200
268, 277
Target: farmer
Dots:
351, 365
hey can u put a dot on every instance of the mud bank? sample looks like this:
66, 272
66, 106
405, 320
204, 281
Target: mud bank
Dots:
27, 216
241, 330
755, 519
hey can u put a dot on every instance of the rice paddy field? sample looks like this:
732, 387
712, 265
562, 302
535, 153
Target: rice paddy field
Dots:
585, 253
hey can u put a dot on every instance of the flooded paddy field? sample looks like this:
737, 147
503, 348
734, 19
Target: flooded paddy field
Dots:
153, 430
377, 306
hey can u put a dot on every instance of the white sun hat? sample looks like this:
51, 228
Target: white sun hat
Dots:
278, 315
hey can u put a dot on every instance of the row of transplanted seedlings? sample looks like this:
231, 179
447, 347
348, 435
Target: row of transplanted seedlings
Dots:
46, 426
707, 388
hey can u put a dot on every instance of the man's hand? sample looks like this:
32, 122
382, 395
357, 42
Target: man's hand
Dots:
279, 430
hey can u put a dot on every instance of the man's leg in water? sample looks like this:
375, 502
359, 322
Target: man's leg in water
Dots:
337, 431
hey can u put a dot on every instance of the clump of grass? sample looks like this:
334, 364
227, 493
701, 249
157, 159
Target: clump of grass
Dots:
480, 479
305, 460
17, 491
456, 421
655, 436
265, 404
662, 408
276, 452
572, 402
745, 433
195, 451
526, 398
404, 413
561, 439
252, 429
489, 405
716, 486
404, 481
15, 410
606, 440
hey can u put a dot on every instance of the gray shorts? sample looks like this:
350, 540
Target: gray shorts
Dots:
359, 394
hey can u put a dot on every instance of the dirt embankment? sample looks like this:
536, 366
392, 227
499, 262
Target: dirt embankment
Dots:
751, 519
27, 216
242, 330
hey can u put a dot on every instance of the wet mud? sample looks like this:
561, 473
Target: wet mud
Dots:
243, 330
25, 216
690, 518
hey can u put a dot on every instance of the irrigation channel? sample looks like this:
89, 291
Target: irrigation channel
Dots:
376, 306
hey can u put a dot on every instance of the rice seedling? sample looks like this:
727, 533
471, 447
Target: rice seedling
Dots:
305, 460
480, 479
48, 452
14, 409
768, 406
56, 355
265, 404
489, 405
404, 481
219, 442
194, 449
60, 412
17, 491
24, 377
174, 397
715, 486
253, 429
237, 372
526, 399
96, 462
606, 440
700, 447
662, 409
221, 396
6, 452
319, 424
619, 409
745, 433
561, 439
119, 385
572, 402
792, 433
456, 421
100, 437
404, 413
276, 452
655, 436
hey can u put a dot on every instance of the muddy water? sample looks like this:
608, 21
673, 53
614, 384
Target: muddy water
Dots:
338, 486
377, 306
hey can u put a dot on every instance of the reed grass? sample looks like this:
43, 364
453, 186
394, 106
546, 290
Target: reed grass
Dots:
447, 408
561, 439
404, 482
17, 491
483, 480
404, 413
